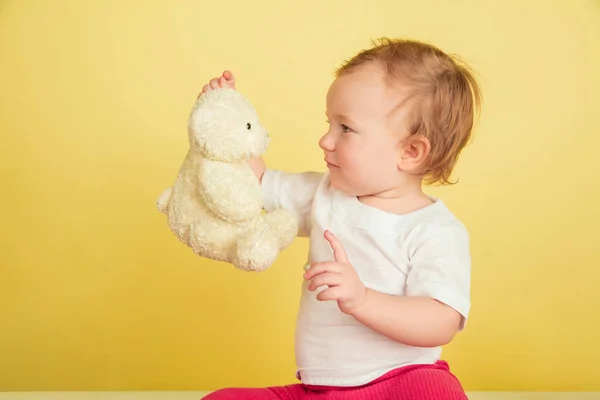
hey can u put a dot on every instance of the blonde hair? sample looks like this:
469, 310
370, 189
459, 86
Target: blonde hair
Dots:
444, 95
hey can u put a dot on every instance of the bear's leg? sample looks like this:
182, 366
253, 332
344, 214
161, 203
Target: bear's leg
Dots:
284, 225
212, 239
257, 249
162, 203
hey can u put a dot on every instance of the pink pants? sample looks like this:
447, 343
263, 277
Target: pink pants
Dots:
415, 382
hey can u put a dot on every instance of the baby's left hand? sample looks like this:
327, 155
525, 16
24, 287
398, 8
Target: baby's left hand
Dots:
344, 284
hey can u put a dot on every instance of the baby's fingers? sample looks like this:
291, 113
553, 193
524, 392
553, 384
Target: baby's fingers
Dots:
229, 78
319, 268
325, 279
226, 80
332, 293
214, 83
223, 83
205, 89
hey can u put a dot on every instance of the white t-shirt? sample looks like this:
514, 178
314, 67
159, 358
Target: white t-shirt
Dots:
424, 253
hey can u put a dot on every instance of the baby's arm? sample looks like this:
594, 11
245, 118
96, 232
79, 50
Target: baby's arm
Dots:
292, 191
436, 304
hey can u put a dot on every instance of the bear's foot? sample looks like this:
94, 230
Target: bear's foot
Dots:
256, 251
210, 240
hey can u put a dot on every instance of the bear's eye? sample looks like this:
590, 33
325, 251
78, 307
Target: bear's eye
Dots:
248, 126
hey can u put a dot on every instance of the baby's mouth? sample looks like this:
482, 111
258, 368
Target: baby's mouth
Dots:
330, 165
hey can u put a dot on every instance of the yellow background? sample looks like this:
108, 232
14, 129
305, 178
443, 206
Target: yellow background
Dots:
96, 293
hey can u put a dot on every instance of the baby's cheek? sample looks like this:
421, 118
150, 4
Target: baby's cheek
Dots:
359, 156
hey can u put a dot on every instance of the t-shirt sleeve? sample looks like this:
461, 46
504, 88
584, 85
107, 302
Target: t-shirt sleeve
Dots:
292, 191
440, 268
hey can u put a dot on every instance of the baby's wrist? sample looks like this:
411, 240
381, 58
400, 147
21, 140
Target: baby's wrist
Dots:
362, 308
258, 166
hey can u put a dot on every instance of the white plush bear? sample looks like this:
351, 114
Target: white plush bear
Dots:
216, 203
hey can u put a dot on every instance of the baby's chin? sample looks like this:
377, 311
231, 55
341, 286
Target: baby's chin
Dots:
339, 184
348, 188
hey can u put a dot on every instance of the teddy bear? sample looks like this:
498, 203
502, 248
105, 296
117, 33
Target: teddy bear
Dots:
215, 205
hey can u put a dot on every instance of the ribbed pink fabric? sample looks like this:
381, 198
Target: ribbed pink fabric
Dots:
415, 382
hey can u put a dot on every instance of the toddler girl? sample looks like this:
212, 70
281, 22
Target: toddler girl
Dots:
387, 279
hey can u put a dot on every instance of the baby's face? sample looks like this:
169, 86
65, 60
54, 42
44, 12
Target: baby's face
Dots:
361, 144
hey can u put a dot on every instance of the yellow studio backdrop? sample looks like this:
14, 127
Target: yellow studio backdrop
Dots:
96, 293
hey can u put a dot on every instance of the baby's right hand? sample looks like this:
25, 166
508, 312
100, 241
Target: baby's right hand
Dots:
226, 80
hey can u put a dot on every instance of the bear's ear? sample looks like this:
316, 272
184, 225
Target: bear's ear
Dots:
198, 119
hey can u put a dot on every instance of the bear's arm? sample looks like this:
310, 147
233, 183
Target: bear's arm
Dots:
230, 190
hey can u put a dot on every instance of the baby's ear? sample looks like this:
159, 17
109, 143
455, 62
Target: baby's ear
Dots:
413, 153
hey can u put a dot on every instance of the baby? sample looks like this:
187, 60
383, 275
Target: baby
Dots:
387, 280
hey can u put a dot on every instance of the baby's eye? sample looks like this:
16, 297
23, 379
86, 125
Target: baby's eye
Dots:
248, 126
345, 128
